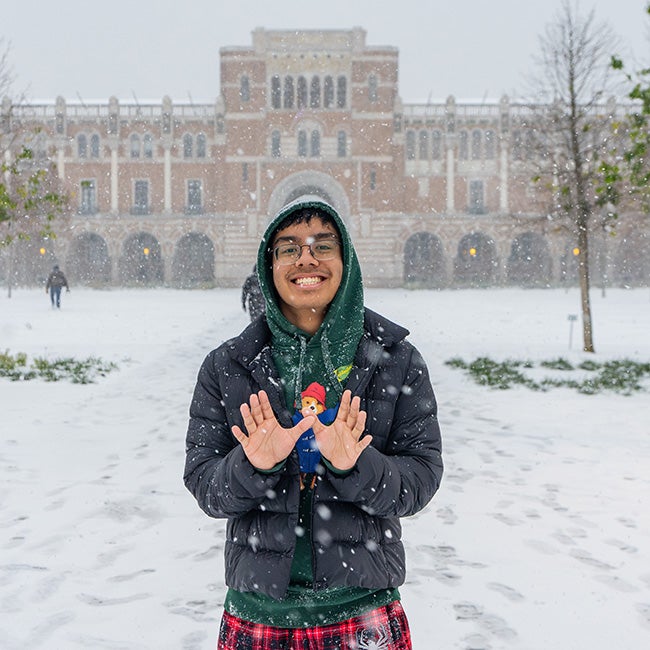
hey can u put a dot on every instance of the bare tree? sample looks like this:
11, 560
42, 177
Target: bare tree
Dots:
570, 120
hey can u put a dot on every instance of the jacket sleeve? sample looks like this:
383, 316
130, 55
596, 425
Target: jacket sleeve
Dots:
217, 471
401, 478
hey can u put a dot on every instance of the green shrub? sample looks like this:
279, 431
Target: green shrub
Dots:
78, 371
621, 376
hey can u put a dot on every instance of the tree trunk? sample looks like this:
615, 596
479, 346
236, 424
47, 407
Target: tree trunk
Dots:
583, 274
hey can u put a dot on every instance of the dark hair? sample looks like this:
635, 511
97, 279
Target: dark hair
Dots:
305, 215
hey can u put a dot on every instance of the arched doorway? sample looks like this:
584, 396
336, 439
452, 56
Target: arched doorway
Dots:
529, 264
424, 262
88, 261
141, 262
193, 263
476, 261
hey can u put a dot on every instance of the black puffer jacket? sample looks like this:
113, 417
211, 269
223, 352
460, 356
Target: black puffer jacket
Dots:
356, 530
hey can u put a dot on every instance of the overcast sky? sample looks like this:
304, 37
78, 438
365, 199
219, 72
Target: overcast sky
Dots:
472, 49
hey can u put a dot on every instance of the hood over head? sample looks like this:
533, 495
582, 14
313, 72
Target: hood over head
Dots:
331, 349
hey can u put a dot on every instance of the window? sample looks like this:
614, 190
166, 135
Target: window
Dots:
276, 92
140, 197
244, 89
314, 92
328, 92
302, 93
302, 143
276, 151
410, 145
147, 145
289, 92
373, 179
82, 146
423, 149
88, 193
135, 145
342, 144
200, 145
194, 197
477, 137
436, 145
341, 92
94, 146
188, 146
476, 201
463, 145
372, 88
244, 174
490, 145
315, 144
517, 145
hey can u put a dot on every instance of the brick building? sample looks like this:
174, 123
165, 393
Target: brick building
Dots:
434, 195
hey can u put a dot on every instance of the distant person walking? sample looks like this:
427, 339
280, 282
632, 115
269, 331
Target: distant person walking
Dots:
252, 299
56, 280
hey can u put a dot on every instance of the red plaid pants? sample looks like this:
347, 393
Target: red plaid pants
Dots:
384, 628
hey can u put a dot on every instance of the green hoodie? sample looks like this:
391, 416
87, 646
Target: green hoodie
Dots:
302, 360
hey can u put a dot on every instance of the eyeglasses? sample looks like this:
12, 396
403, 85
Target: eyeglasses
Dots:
321, 250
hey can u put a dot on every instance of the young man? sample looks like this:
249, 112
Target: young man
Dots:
313, 432
56, 280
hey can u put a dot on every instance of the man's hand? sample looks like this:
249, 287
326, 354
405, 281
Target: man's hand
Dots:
340, 441
267, 443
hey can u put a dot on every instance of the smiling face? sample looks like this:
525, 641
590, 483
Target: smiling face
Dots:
307, 286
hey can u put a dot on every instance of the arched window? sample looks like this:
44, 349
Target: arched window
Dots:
188, 146
200, 145
372, 88
276, 151
82, 146
410, 145
302, 143
341, 92
276, 92
315, 144
423, 149
342, 144
328, 92
289, 92
314, 92
94, 146
462, 145
135, 145
301, 100
147, 145
490, 145
477, 136
244, 89
436, 145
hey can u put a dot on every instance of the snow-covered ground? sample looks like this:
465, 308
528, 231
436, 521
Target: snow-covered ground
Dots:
539, 538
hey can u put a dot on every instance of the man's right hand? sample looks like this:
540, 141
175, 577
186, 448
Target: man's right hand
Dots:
267, 443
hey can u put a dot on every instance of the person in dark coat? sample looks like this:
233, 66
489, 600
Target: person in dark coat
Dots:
56, 280
313, 432
252, 299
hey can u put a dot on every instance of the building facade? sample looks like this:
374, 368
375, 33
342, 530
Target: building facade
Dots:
434, 195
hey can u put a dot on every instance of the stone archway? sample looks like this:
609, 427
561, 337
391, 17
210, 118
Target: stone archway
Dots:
88, 262
424, 262
476, 261
141, 262
529, 263
310, 182
193, 262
